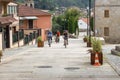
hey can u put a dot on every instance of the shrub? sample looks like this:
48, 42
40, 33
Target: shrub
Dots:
86, 38
96, 45
39, 39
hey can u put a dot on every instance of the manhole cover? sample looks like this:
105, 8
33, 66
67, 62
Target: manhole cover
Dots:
44, 66
72, 68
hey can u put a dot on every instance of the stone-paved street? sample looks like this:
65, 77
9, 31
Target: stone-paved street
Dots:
54, 63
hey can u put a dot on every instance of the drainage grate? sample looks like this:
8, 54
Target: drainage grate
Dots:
72, 68
44, 66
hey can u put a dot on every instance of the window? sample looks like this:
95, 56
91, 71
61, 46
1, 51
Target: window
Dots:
31, 5
25, 4
21, 22
106, 13
30, 24
12, 9
106, 31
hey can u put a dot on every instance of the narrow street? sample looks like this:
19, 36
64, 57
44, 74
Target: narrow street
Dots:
55, 63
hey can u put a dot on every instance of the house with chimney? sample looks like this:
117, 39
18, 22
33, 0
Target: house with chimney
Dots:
32, 19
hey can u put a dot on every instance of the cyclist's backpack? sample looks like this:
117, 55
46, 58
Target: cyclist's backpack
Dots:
65, 34
49, 34
58, 33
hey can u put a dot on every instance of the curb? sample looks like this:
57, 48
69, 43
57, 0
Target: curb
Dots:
116, 68
12, 57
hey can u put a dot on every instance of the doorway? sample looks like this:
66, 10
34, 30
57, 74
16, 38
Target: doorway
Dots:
6, 37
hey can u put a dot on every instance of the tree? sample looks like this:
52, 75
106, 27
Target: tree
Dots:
71, 15
58, 24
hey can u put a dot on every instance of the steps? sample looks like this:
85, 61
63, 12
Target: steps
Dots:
116, 51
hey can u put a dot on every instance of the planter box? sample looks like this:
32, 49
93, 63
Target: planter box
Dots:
41, 44
89, 44
85, 39
100, 57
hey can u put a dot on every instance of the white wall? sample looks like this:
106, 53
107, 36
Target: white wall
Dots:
82, 24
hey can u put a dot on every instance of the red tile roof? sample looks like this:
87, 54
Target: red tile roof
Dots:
28, 11
7, 19
86, 20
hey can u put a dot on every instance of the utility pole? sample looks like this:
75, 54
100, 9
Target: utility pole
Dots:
89, 24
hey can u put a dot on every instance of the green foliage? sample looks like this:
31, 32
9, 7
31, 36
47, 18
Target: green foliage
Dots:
86, 37
96, 45
58, 24
39, 39
71, 15
52, 4
67, 21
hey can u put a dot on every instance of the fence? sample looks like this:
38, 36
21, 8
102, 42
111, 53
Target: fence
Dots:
15, 37
21, 34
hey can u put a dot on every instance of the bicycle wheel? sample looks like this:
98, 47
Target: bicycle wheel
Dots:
65, 43
49, 42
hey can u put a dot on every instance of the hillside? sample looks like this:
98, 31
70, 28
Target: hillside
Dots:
52, 4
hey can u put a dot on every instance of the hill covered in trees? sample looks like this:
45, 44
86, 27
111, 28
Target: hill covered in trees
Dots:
52, 4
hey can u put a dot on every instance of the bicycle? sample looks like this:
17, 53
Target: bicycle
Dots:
65, 42
57, 39
49, 41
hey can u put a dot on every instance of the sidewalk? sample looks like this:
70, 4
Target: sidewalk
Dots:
55, 63
113, 60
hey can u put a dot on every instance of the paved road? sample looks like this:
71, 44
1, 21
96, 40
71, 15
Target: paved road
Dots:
54, 63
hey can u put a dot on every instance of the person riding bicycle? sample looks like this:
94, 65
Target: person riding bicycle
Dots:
49, 36
65, 35
57, 36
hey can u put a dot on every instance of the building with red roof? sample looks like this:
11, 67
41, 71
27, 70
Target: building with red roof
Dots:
31, 18
83, 23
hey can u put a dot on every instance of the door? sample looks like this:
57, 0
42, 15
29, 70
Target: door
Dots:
6, 37
30, 24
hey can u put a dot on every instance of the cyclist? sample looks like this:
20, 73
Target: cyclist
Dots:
57, 36
65, 36
49, 36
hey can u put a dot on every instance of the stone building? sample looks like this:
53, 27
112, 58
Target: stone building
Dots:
107, 20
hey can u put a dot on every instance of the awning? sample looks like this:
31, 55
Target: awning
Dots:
28, 17
7, 19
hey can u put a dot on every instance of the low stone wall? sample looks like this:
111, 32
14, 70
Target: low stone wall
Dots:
116, 51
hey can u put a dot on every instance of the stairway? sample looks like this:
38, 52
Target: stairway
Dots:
116, 51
